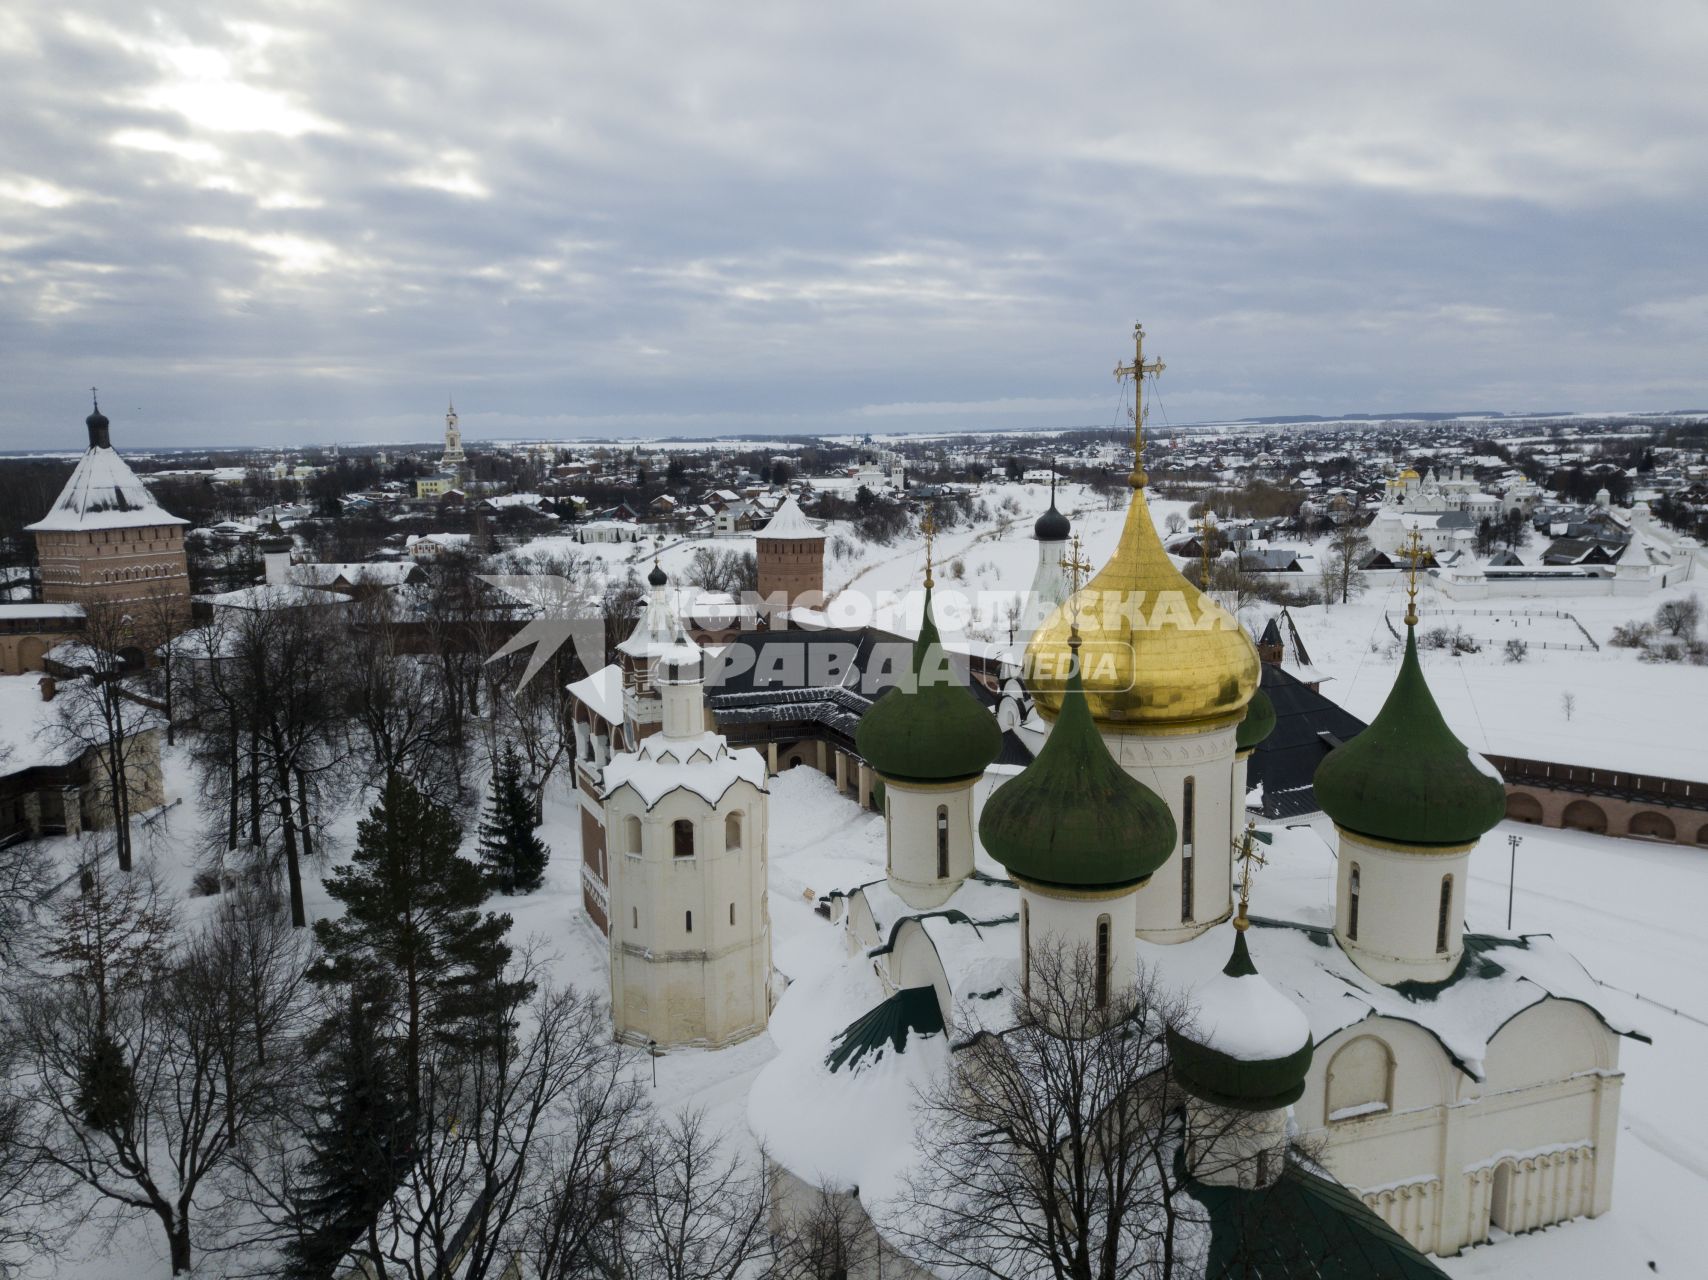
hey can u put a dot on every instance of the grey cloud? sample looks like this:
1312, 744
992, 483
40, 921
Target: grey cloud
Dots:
312, 222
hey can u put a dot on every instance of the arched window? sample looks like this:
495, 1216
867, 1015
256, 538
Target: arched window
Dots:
732, 831
1441, 915
684, 837
688, 917
1102, 987
634, 920
1352, 904
1025, 949
631, 834
1263, 1167
732, 913
1188, 864
1360, 1080
942, 842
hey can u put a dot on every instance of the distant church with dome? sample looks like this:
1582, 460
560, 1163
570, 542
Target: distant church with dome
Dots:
1456, 1085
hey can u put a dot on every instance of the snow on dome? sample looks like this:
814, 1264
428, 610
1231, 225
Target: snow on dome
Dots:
789, 522
703, 764
1246, 1018
659, 633
103, 493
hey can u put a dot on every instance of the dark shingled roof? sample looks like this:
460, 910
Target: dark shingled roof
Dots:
1307, 727
931, 728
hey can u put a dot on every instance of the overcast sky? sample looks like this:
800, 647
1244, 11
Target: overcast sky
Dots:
316, 221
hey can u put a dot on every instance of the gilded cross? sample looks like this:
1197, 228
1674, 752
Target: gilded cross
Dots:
1137, 371
1206, 531
1414, 553
928, 526
1246, 854
1077, 566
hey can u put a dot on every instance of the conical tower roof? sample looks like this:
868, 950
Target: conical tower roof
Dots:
1407, 779
1074, 818
932, 728
102, 491
1247, 1046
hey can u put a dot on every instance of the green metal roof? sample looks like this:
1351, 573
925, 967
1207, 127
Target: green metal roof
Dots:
1259, 721
1407, 778
1247, 1084
912, 1009
930, 729
1303, 1226
1074, 817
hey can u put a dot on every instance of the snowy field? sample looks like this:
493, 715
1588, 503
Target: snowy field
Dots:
1629, 910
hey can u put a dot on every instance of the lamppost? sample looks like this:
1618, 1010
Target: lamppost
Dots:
1514, 840
652, 1052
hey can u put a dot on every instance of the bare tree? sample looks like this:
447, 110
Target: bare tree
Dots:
99, 719
531, 1140
272, 748
1047, 1148
148, 1063
395, 703
1680, 617
1347, 546
700, 1211
831, 1237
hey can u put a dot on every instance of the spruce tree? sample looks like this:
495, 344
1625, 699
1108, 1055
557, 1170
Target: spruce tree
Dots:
512, 856
412, 924
361, 1141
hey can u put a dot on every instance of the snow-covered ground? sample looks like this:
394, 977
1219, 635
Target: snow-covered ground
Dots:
1629, 910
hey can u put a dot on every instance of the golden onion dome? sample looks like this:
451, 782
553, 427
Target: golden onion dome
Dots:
1157, 653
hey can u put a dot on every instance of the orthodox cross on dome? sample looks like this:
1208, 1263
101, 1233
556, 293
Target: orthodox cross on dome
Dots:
928, 526
1077, 566
1413, 550
1137, 371
95, 396
1206, 531
1246, 853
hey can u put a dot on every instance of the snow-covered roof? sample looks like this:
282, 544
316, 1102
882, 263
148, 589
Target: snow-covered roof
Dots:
790, 522
659, 633
103, 493
25, 722
274, 596
601, 693
703, 764
36, 609
1499, 979
1245, 1017
384, 573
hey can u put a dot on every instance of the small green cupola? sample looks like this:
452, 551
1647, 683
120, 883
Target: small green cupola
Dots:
930, 729
1258, 724
1074, 818
1245, 1046
1407, 779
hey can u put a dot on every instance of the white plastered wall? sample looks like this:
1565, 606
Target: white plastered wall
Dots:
1399, 897
910, 821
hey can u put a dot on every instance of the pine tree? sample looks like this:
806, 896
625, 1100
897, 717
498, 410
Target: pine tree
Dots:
513, 857
361, 1141
412, 924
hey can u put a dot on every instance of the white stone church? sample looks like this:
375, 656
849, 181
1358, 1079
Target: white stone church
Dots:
1461, 1084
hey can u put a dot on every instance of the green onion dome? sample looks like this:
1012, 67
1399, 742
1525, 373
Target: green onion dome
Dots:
931, 729
1258, 724
1406, 778
1073, 817
1245, 1044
